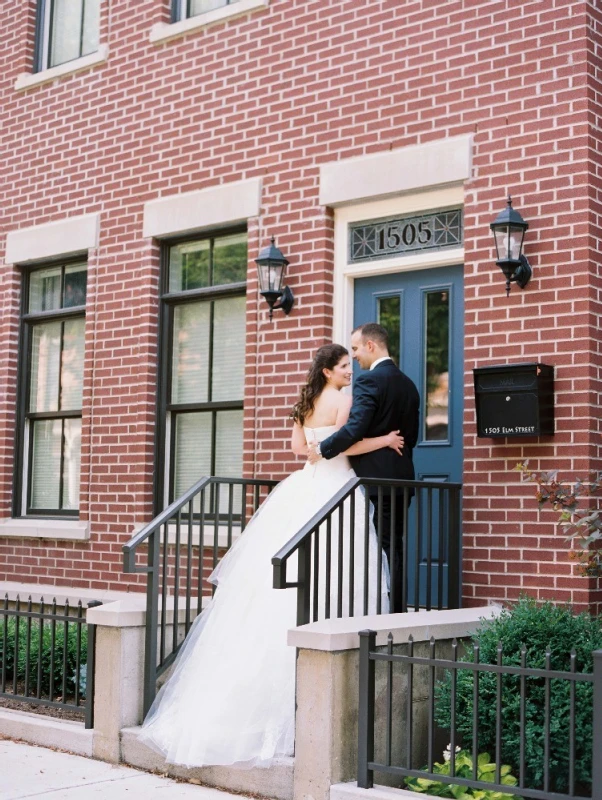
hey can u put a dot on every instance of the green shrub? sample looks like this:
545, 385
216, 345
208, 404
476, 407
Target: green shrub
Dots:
536, 626
463, 768
49, 665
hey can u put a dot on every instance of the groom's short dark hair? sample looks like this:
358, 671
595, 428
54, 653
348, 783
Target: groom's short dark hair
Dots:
375, 332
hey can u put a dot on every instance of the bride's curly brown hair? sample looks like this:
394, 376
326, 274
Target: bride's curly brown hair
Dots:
327, 357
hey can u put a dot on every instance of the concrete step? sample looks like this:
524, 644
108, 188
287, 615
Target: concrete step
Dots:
351, 791
274, 783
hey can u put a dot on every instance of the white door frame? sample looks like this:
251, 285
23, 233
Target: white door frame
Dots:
345, 273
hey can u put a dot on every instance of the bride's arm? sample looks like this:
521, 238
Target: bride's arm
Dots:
298, 442
392, 440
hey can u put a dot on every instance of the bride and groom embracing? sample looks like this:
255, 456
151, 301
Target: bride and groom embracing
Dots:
231, 696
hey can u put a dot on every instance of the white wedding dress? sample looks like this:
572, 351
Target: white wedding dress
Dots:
231, 697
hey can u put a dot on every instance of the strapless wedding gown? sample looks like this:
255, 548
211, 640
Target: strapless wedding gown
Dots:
231, 696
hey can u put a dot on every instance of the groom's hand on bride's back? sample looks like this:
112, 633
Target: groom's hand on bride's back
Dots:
395, 441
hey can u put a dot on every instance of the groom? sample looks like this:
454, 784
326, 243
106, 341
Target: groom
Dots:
384, 400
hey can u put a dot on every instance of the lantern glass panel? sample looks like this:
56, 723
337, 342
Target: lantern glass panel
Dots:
515, 242
270, 276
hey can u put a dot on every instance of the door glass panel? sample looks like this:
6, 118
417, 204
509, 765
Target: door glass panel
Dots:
72, 364
189, 266
228, 349
190, 364
389, 316
46, 458
45, 367
436, 417
193, 450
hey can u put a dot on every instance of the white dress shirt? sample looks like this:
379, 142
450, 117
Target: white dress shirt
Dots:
379, 361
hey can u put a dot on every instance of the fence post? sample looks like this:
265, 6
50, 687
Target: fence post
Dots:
365, 753
90, 669
597, 728
152, 620
303, 581
454, 590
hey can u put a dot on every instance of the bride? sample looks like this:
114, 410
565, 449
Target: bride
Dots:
231, 696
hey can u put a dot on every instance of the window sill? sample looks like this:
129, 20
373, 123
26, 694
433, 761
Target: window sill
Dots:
73, 530
163, 31
27, 80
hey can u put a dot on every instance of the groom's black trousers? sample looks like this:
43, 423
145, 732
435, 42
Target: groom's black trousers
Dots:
382, 516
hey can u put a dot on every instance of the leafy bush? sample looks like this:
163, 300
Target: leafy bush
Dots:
536, 626
49, 665
463, 769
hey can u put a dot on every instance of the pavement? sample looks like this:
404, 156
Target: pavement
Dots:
38, 772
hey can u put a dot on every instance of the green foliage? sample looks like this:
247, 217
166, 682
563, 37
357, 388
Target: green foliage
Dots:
49, 666
582, 526
534, 626
463, 768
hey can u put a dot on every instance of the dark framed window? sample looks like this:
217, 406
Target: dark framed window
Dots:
202, 361
183, 9
65, 30
51, 366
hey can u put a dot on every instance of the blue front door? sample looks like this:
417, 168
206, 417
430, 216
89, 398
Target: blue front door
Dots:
423, 313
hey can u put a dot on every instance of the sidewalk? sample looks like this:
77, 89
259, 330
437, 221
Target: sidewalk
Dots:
37, 772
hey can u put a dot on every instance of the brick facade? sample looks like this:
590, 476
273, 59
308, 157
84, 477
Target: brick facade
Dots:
275, 94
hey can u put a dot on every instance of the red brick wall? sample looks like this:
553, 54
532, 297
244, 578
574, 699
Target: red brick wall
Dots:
275, 94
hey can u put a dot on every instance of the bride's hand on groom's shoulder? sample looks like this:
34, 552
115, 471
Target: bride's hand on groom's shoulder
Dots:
395, 441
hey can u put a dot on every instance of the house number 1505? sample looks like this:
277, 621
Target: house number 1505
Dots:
390, 237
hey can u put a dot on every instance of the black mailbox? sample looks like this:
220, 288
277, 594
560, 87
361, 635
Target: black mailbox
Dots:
514, 400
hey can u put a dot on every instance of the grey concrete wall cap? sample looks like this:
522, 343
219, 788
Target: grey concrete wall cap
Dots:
351, 791
342, 634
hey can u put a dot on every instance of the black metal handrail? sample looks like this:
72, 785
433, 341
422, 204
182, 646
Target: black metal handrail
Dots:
431, 544
42, 655
403, 764
184, 543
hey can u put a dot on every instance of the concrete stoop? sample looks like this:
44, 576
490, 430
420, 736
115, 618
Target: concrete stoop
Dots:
351, 791
275, 783
47, 731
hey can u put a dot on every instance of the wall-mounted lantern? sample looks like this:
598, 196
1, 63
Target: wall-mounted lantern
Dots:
509, 231
271, 267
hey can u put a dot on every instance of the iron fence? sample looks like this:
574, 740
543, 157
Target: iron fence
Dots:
181, 547
47, 655
565, 744
330, 553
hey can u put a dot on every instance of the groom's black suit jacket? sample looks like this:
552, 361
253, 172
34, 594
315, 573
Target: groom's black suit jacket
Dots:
384, 400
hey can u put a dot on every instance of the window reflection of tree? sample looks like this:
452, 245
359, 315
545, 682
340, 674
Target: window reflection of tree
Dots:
437, 365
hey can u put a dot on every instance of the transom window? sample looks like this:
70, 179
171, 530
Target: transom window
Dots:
51, 379
183, 9
66, 30
204, 340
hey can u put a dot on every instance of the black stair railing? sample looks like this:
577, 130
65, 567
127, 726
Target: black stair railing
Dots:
178, 550
328, 560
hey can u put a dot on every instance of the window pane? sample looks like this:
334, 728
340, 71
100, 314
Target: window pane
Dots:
45, 461
230, 259
202, 6
76, 277
72, 366
72, 463
91, 27
45, 290
45, 367
190, 360
228, 454
65, 35
228, 349
193, 450
437, 366
189, 266
389, 316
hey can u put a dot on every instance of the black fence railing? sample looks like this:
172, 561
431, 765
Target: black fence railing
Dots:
181, 547
329, 563
560, 710
47, 655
